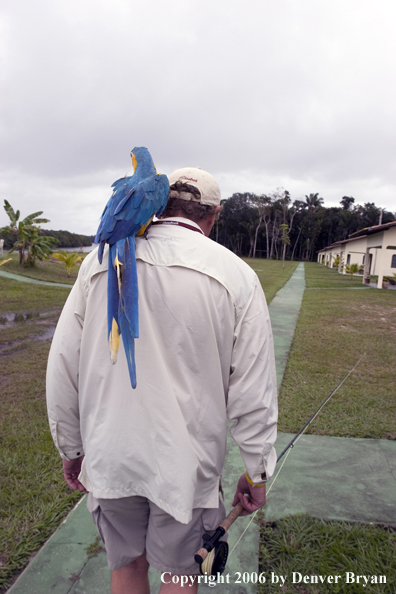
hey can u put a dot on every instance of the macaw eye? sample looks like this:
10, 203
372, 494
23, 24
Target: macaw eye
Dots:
131, 154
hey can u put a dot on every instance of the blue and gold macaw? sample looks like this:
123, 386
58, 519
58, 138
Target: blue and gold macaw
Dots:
134, 202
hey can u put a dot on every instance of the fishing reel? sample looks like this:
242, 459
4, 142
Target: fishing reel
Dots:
212, 557
216, 559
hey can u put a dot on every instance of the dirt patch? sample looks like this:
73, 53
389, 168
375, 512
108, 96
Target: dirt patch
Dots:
19, 345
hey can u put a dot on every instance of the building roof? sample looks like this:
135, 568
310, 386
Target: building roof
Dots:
372, 230
360, 234
341, 242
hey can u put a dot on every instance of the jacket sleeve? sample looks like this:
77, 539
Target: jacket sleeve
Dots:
63, 375
252, 395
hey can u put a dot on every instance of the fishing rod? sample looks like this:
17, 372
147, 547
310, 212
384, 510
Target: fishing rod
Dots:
212, 557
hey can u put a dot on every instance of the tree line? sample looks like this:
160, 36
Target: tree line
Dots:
268, 225
63, 239
275, 227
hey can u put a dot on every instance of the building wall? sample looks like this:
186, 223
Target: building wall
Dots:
386, 256
354, 252
381, 246
328, 255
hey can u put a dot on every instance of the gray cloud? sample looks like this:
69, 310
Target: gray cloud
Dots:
263, 94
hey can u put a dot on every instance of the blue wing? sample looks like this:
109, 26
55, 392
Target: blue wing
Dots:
133, 203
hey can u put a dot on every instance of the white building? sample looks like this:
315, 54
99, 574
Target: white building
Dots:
373, 249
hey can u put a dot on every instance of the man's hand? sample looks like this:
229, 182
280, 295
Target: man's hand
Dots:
71, 470
251, 497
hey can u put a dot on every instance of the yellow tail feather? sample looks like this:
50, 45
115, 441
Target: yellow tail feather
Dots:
114, 341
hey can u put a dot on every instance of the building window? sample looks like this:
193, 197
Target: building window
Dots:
348, 259
393, 265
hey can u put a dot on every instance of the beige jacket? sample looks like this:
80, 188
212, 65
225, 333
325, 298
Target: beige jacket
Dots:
205, 353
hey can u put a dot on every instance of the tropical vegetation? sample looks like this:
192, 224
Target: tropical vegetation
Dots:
29, 243
352, 269
69, 259
63, 239
254, 225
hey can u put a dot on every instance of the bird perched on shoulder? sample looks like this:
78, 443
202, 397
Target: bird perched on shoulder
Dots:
134, 202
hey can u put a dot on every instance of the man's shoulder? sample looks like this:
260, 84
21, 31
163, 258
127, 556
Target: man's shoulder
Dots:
236, 275
175, 246
235, 264
92, 266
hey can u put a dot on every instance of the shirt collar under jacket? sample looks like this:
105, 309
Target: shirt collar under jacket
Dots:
182, 220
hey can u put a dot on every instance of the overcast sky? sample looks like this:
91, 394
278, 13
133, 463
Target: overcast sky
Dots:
263, 94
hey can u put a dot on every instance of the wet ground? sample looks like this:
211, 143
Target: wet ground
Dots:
327, 477
16, 329
63, 566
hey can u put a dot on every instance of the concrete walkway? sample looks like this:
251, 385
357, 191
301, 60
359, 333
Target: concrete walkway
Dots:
284, 310
63, 567
336, 478
328, 477
35, 281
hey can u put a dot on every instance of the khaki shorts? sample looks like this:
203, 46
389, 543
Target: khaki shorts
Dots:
132, 525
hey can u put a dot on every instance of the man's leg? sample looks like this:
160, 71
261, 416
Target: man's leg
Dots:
132, 578
176, 588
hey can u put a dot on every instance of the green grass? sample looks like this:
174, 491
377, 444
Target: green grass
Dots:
315, 547
48, 270
33, 494
337, 324
18, 296
335, 328
329, 278
271, 274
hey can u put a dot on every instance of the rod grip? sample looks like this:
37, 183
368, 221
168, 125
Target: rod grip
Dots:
201, 555
232, 516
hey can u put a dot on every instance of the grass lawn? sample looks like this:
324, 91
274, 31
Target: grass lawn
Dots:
48, 270
33, 495
330, 337
337, 324
321, 277
335, 328
271, 274
312, 547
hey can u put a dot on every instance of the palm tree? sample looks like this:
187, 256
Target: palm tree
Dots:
69, 259
313, 201
38, 246
22, 228
351, 269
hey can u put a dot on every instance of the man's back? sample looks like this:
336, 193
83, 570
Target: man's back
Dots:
169, 434
152, 457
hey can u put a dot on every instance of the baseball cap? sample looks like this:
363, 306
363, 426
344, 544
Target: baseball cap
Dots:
200, 179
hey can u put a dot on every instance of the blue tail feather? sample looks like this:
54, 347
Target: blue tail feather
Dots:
128, 341
127, 301
113, 297
130, 291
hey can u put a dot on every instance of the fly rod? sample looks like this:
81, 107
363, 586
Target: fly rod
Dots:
212, 557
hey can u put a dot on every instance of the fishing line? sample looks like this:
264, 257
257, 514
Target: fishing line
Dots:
208, 553
257, 510
295, 439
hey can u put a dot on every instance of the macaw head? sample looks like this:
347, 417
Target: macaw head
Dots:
141, 160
